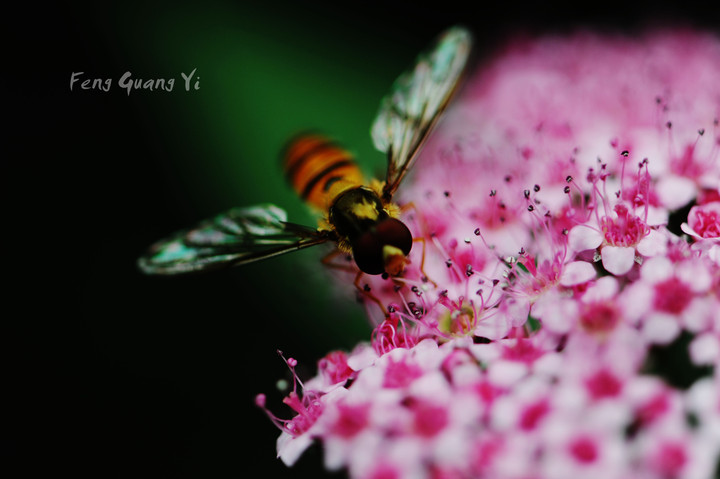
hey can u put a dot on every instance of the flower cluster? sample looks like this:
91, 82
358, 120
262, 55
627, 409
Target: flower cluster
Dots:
560, 316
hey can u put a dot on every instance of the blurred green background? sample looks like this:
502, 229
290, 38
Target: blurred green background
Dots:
113, 374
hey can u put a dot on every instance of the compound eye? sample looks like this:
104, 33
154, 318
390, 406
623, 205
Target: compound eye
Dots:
393, 232
368, 249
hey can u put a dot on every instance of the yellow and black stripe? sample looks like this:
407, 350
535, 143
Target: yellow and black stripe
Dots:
319, 170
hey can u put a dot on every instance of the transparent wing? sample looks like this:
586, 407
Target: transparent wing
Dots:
416, 101
238, 236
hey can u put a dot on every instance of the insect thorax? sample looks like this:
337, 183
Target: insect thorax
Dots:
355, 211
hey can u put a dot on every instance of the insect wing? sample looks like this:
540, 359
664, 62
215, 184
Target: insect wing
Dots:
417, 99
238, 236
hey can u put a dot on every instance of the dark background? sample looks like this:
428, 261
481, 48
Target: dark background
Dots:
112, 374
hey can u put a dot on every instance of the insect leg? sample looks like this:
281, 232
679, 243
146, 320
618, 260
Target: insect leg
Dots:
365, 291
421, 239
422, 261
329, 261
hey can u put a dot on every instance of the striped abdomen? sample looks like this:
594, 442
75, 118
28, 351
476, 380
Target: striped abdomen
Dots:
319, 170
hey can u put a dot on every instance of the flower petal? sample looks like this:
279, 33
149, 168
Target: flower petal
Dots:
583, 237
675, 191
656, 270
689, 231
660, 329
705, 349
653, 244
493, 327
618, 260
290, 448
577, 272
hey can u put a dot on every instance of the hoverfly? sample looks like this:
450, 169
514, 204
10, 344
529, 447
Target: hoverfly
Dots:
360, 219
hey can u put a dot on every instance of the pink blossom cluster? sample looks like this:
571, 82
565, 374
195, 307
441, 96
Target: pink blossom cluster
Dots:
560, 316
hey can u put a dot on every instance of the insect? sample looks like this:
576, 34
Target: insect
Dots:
359, 217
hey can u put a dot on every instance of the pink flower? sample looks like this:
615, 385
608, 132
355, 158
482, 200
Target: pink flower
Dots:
704, 222
669, 296
549, 297
623, 230
297, 432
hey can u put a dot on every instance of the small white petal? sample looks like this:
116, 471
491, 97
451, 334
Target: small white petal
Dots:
361, 358
577, 272
700, 314
582, 238
696, 275
661, 328
494, 327
618, 260
486, 352
703, 395
557, 314
705, 349
516, 309
290, 448
657, 269
604, 289
549, 364
506, 373
653, 244
656, 216
689, 231
714, 254
636, 300
675, 192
